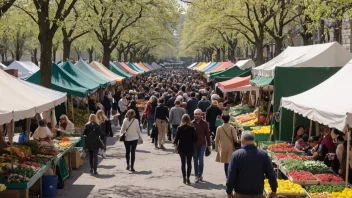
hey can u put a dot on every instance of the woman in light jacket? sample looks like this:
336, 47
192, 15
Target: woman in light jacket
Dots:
224, 141
93, 144
130, 126
65, 126
102, 119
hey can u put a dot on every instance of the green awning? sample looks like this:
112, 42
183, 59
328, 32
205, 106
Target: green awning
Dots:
236, 73
61, 81
137, 69
87, 70
261, 81
118, 71
83, 79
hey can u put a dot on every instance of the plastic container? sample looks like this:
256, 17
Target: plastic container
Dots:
49, 183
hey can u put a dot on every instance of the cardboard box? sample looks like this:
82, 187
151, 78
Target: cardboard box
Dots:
76, 160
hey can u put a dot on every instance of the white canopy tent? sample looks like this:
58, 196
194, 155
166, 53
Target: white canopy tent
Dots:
328, 103
20, 99
192, 65
319, 55
245, 64
24, 69
2, 66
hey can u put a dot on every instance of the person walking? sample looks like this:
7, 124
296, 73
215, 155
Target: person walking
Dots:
102, 120
184, 143
246, 171
130, 127
149, 112
175, 117
224, 142
203, 140
171, 101
212, 114
192, 105
92, 131
123, 105
161, 117
133, 105
107, 103
204, 104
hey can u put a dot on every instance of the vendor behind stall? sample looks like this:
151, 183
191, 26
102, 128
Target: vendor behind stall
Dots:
42, 133
318, 151
65, 126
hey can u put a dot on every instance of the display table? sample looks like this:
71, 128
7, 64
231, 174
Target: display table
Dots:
34, 185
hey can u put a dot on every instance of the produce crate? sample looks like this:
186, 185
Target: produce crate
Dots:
287, 194
332, 183
303, 182
283, 169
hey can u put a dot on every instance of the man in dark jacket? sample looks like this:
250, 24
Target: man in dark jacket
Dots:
192, 105
247, 168
161, 120
204, 104
203, 140
171, 101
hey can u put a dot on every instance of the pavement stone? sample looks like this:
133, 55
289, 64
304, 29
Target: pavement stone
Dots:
158, 174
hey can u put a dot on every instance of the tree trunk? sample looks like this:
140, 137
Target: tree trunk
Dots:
3, 56
229, 53
218, 52
54, 56
78, 54
260, 57
45, 60
106, 55
132, 56
224, 53
247, 53
34, 56
120, 56
338, 32
125, 56
18, 56
90, 53
67, 49
321, 31
232, 55
278, 46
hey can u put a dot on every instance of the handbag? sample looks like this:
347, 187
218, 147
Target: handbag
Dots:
154, 132
123, 136
236, 145
207, 152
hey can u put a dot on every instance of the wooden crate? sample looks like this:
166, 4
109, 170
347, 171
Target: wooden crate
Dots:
332, 183
303, 182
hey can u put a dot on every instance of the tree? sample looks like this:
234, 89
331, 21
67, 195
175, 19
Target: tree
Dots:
74, 27
48, 15
5, 5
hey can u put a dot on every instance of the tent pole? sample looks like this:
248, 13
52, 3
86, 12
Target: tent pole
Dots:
28, 126
310, 128
280, 124
73, 111
12, 132
317, 129
293, 125
348, 132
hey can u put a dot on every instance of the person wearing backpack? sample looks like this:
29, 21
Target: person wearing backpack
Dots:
93, 134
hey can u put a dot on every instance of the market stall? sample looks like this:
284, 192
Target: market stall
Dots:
88, 71
98, 67
24, 69
294, 71
210, 67
118, 71
128, 69
240, 69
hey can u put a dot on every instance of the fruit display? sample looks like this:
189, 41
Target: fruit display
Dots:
301, 175
16, 151
261, 130
240, 109
285, 187
250, 123
2, 187
346, 193
64, 145
314, 167
33, 145
284, 156
246, 118
16, 178
282, 147
48, 148
329, 178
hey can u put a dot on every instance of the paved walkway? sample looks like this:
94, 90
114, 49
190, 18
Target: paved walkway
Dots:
158, 174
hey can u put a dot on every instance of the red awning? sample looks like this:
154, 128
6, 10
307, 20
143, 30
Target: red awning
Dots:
234, 83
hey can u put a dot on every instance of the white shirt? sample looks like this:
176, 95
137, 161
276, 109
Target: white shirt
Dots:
42, 132
123, 104
133, 132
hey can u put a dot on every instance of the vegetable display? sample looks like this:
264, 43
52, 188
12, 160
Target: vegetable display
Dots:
324, 189
240, 109
282, 147
285, 187
283, 156
314, 167
328, 178
301, 175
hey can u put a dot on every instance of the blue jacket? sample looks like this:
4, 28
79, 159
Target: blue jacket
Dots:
246, 171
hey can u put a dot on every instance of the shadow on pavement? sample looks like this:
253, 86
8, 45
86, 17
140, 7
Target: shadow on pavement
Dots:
103, 176
137, 191
142, 151
208, 185
141, 173
106, 167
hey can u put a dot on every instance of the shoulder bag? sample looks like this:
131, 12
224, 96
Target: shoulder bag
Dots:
123, 136
236, 145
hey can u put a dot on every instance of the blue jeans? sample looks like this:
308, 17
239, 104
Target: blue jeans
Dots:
199, 160
150, 125
174, 130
